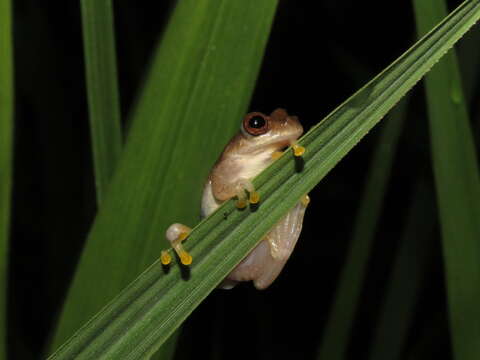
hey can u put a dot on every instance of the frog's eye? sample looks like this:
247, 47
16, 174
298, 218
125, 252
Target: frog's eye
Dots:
255, 123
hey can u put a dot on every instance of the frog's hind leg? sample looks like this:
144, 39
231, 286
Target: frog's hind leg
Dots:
284, 235
250, 267
176, 233
282, 240
264, 263
258, 265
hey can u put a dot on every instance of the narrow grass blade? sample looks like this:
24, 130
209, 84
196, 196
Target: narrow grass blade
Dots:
142, 316
341, 317
198, 88
6, 157
405, 281
455, 167
469, 62
102, 89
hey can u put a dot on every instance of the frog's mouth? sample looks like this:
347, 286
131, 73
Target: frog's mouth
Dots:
282, 143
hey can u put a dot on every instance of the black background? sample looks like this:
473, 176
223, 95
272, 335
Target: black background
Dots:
319, 53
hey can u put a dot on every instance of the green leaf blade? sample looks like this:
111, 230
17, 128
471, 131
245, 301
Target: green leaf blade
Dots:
102, 89
143, 316
341, 318
457, 181
397, 312
6, 157
199, 85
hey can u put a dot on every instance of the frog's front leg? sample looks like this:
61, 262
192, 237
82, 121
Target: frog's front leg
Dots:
176, 233
224, 188
298, 151
242, 186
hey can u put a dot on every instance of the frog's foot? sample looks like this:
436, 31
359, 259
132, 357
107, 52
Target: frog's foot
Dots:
298, 150
176, 233
244, 186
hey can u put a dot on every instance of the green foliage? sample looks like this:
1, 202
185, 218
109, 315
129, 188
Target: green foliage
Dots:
6, 169
458, 190
347, 295
406, 278
142, 317
199, 85
101, 74
200, 78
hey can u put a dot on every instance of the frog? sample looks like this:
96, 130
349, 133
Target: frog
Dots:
260, 141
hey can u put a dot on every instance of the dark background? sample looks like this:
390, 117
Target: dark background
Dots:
319, 53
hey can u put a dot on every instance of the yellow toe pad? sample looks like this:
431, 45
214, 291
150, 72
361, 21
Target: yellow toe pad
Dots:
185, 258
254, 197
298, 150
165, 258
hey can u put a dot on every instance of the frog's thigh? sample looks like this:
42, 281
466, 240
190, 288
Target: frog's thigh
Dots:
283, 236
281, 239
267, 259
259, 266
253, 264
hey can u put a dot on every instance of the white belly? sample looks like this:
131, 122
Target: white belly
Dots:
209, 203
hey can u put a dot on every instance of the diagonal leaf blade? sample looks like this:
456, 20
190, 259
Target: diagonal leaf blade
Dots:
456, 173
6, 157
142, 317
102, 89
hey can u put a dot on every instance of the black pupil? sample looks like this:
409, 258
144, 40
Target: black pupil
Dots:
256, 122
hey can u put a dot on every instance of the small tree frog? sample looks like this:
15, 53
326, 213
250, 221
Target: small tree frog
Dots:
259, 142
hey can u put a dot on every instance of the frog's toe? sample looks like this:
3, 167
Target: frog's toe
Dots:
254, 197
298, 150
165, 257
227, 284
305, 200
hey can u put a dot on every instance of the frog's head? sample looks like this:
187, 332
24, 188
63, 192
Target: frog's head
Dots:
260, 132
